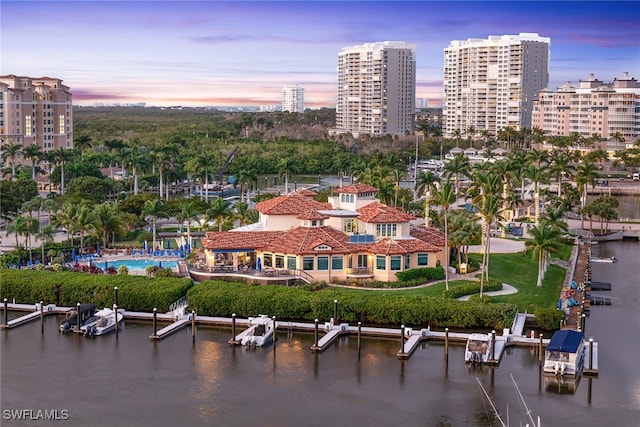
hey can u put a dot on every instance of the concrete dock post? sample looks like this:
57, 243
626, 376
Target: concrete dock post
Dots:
583, 319
493, 345
115, 295
315, 341
233, 341
6, 312
42, 316
193, 325
78, 317
335, 311
402, 338
446, 341
273, 319
540, 354
359, 337
115, 317
155, 322
590, 354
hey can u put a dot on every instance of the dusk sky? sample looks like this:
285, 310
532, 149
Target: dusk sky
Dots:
205, 53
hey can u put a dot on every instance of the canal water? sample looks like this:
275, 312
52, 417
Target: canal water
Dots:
132, 381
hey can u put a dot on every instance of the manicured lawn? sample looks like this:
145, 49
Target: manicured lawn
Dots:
521, 272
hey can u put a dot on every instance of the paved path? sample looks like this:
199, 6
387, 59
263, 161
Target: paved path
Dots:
506, 290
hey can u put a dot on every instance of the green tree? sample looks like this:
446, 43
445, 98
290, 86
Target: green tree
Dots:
444, 197
108, 222
543, 242
154, 209
33, 153
188, 213
425, 184
219, 212
10, 152
45, 235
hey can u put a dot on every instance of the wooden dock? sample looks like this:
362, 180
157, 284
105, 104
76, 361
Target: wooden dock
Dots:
43, 310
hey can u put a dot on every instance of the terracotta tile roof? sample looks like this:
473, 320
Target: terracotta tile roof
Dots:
377, 213
307, 193
389, 246
290, 204
427, 234
219, 240
311, 215
356, 189
305, 240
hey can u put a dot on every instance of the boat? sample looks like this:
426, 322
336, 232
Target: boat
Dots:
565, 353
259, 333
85, 313
607, 259
106, 322
527, 413
478, 348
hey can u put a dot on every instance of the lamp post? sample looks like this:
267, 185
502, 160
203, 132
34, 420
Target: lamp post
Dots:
319, 181
295, 186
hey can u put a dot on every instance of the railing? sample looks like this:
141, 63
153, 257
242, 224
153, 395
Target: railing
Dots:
177, 305
360, 270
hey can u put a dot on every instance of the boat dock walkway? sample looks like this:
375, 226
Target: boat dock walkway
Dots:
36, 311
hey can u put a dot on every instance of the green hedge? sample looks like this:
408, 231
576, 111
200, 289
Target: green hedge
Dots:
421, 274
549, 318
471, 289
135, 293
219, 298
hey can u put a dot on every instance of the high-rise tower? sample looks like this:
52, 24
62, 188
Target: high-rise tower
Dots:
376, 88
293, 99
490, 84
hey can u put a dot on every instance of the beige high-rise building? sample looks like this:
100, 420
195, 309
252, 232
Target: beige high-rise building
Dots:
591, 107
35, 111
490, 84
376, 88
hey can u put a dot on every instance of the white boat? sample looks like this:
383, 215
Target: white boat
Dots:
565, 353
259, 332
106, 322
607, 259
84, 313
478, 348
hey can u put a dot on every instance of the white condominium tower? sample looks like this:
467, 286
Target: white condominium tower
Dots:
376, 88
490, 84
293, 99
35, 111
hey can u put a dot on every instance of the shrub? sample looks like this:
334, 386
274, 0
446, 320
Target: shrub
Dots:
549, 318
123, 270
471, 289
421, 274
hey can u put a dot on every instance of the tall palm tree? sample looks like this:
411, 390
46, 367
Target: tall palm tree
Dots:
45, 235
444, 197
65, 219
84, 222
17, 227
163, 158
245, 178
10, 152
507, 134
32, 225
386, 191
202, 166
136, 160
537, 176
586, 174
33, 153
81, 143
490, 209
544, 240
188, 213
60, 157
425, 184
286, 167
398, 175
457, 166
471, 133
219, 211
154, 209
560, 165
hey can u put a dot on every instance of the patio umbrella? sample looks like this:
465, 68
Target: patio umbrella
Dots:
160, 264
73, 252
259, 265
144, 245
106, 264
168, 244
98, 250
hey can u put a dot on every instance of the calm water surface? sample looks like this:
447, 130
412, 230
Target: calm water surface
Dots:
133, 381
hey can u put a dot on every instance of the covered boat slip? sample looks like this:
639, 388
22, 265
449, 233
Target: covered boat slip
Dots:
565, 354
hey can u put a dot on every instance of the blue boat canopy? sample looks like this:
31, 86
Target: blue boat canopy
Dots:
566, 341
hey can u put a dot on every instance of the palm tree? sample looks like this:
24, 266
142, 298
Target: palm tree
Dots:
33, 153
457, 135
242, 213
444, 197
219, 211
31, 227
537, 176
544, 241
81, 142
135, 160
245, 178
286, 167
507, 134
17, 227
10, 151
471, 133
154, 209
45, 235
554, 220
83, 222
560, 165
64, 218
202, 166
108, 221
60, 156
163, 159
386, 191
187, 214
586, 173
398, 175
425, 184
458, 165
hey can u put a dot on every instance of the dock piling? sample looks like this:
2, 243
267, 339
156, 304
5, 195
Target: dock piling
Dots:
359, 337
155, 322
583, 318
273, 319
591, 354
115, 295
540, 354
316, 334
193, 325
6, 312
233, 341
78, 317
402, 339
493, 345
41, 316
115, 317
335, 311
446, 341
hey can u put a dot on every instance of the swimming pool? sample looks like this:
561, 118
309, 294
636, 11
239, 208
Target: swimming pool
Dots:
136, 264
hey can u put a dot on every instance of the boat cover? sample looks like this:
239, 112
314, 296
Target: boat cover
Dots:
566, 341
